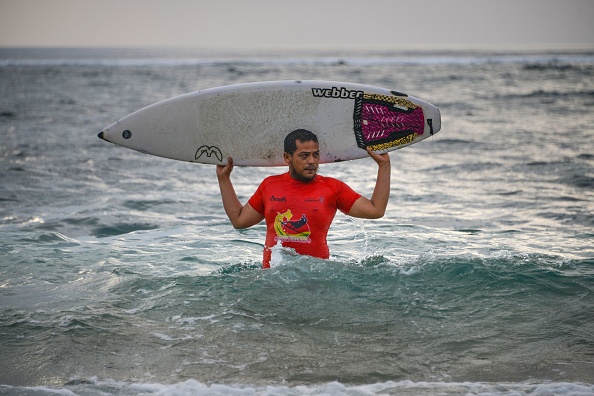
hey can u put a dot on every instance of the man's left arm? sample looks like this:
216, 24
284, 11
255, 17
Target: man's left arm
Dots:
375, 207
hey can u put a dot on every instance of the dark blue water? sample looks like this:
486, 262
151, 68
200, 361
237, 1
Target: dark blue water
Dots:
120, 273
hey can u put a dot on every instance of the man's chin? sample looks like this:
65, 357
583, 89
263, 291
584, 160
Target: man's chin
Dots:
305, 176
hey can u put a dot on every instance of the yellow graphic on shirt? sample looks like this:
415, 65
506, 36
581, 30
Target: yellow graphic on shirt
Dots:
294, 231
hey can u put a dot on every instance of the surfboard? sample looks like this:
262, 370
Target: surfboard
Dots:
250, 121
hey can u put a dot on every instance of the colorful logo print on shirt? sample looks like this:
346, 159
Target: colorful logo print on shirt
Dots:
290, 230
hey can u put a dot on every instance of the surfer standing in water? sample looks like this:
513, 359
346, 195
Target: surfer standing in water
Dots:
299, 205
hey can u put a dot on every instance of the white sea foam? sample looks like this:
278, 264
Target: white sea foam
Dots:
96, 386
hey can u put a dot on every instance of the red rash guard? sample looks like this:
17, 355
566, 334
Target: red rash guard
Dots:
299, 214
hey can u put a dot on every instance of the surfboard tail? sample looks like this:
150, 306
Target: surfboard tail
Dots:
384, 123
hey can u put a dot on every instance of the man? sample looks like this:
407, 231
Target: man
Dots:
299, 205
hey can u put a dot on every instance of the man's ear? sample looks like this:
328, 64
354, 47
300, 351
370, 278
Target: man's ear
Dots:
287, 157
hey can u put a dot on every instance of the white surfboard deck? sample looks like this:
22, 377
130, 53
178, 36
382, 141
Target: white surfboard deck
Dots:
249, 122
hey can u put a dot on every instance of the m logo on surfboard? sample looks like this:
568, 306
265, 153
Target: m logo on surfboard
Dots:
209, 151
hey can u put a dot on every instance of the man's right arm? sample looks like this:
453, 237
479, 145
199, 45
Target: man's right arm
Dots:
375, 207
241, 216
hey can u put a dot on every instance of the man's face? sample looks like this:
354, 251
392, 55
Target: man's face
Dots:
304, 162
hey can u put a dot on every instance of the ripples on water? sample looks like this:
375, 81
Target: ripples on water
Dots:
120, 273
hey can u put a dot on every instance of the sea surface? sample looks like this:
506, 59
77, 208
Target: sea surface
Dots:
121, 274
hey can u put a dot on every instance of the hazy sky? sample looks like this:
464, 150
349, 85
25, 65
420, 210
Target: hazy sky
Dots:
231, 24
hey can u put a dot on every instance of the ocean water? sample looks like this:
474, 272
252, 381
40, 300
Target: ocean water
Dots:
120, 273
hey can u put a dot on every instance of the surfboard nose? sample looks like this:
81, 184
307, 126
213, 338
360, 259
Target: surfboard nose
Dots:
101, 136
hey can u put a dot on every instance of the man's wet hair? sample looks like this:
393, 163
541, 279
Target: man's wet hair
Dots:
303, 135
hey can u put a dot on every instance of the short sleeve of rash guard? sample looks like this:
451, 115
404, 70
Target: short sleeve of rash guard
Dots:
345, 196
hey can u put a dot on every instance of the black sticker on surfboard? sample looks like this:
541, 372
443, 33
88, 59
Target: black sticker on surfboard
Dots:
209, 151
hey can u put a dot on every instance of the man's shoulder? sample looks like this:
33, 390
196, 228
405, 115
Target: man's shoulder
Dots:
328, 180
274, 178
336, 185
274, 181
